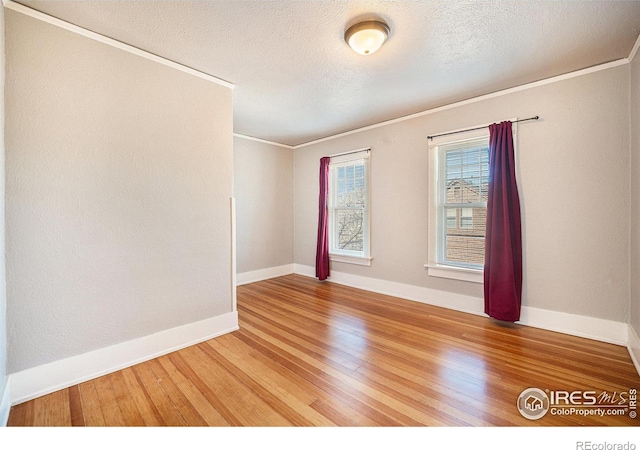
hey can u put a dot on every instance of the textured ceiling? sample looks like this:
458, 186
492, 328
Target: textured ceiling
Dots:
297, 81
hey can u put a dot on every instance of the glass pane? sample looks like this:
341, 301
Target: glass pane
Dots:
349, 229
451, 217
465, 244
466, 218
351, 185
467, 175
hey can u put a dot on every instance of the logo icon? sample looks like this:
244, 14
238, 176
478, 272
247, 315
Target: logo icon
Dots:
533, 403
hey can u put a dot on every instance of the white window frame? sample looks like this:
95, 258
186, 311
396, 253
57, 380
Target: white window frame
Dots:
362, 258
436, 266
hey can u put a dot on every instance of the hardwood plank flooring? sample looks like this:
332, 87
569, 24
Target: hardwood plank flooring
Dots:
318, 354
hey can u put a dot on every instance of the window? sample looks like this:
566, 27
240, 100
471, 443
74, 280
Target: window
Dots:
458, 206
349, 208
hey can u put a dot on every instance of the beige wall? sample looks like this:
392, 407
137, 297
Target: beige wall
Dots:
3, 287
574, 188
635, 195
119, 175
263, 186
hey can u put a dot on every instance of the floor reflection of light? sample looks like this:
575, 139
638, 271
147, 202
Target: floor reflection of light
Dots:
464, 372
349, 332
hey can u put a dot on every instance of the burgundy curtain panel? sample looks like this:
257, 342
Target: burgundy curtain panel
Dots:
322, 249
503, 244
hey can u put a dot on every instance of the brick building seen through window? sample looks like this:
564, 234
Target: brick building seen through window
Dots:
465, 233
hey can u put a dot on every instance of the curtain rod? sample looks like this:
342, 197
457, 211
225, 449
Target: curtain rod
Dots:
477, 128
368, 149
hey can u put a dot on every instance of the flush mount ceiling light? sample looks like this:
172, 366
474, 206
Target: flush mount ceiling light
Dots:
366, 37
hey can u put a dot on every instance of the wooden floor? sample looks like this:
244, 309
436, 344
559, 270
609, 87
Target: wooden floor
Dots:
319, 354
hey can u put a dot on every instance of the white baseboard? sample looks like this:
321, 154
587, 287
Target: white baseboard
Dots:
263, 274
633, 345
576, 325
41, 380
5, 402
602, 330
464, 303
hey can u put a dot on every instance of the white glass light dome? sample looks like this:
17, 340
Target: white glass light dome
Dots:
367, 37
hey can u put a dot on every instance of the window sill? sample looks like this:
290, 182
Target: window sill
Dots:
455, 273
358, 260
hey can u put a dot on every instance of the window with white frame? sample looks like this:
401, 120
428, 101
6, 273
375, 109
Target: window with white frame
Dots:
458, 205
349, 231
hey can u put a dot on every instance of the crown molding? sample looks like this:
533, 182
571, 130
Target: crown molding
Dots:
634, 50
523, 87
262, 141
10, 4
17, 7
